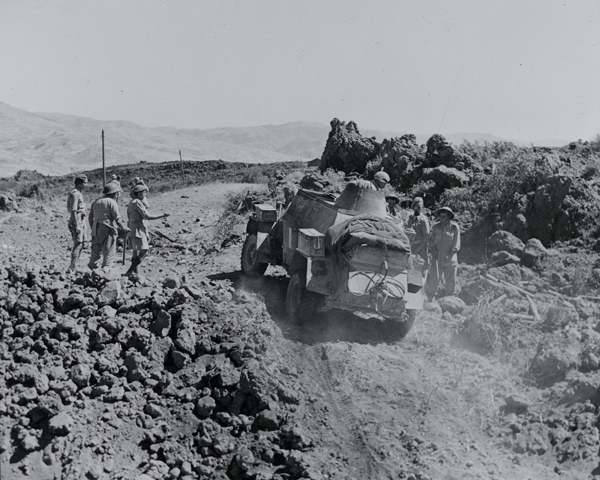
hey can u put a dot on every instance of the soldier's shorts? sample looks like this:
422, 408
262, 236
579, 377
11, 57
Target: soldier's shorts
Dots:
77, 237
139, 243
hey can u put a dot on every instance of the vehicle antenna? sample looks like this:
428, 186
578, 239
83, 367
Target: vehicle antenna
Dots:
451, 93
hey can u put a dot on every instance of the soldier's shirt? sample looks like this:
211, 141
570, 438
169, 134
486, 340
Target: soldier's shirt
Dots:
137, 214
105, 211
445, 239
75, 203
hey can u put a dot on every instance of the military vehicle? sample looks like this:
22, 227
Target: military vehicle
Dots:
344, 253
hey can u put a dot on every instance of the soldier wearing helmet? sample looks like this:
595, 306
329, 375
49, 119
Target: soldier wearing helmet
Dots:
379, 182
105, 220
444, 243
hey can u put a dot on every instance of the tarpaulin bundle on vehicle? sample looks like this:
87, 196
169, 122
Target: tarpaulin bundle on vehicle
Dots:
368, 229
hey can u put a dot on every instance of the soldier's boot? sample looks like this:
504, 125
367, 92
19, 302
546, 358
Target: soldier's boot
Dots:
133, 269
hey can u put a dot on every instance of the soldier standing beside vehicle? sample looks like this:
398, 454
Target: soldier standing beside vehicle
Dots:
105, 220
444, 243
380, 180
76, 208
420, 224
138, 216
392, 201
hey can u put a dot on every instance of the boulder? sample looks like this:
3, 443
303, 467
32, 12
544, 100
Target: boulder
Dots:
580, 388
161, 324
61, 424
505, 241
452, 304
205, 406
8, 203
556, 355
80, 375
109, 294
533, 253
501, 258
559, 316
171, 282
445, 177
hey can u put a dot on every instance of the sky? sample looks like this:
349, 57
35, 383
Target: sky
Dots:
523, 70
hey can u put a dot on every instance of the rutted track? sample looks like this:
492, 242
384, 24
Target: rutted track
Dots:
345, 424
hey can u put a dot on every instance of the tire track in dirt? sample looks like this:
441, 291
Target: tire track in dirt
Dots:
345, 424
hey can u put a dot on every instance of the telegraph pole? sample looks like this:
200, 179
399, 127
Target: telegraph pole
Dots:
103, 164
181, 160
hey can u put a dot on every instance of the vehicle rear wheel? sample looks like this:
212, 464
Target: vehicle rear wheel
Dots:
300, 304
406, 322
250, 265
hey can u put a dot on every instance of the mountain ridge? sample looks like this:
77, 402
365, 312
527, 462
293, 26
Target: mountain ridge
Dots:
57, 144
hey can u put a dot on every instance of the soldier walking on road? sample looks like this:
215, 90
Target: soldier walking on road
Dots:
76, 208
444, 242
134, 183
138, 216
105, 220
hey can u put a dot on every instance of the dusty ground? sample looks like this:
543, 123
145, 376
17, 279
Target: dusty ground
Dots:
374, 405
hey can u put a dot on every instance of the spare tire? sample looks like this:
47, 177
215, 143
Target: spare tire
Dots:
250, 264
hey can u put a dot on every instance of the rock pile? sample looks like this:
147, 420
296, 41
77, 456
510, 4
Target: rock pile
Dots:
108, 380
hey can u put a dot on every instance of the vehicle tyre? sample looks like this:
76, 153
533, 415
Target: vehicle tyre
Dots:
406, 322
300, 304
250, 265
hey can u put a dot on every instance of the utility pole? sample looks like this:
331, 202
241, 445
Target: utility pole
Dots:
181, 160
103, 164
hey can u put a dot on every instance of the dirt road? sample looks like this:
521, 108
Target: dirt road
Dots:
377, 406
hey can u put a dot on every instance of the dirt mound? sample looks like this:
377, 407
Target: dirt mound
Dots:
86, 360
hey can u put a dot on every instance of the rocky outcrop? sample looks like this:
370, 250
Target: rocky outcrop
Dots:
440, 152
445, 177
346, 149
8, 203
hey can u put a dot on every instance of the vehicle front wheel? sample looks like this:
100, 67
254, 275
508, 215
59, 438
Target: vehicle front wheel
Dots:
250, 264
300, 304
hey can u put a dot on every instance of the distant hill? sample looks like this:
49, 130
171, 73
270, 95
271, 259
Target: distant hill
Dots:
57, 144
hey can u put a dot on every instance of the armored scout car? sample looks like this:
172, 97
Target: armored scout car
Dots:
346, 253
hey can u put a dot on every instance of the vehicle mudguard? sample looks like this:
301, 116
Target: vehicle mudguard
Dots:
254, 226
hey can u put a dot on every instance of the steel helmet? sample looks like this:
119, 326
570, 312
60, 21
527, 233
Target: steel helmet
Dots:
447, 210
139, 188
111, 188
382, 177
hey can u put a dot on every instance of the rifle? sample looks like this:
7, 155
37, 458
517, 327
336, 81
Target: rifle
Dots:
126, 236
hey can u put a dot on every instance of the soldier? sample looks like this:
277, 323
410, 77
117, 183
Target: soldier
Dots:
444, 242
76, 208
420, 224
393, 201
138, 216
135, 182
116, 179
105, 220
380, 180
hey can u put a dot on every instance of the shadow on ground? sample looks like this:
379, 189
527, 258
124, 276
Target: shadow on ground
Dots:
332, 326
